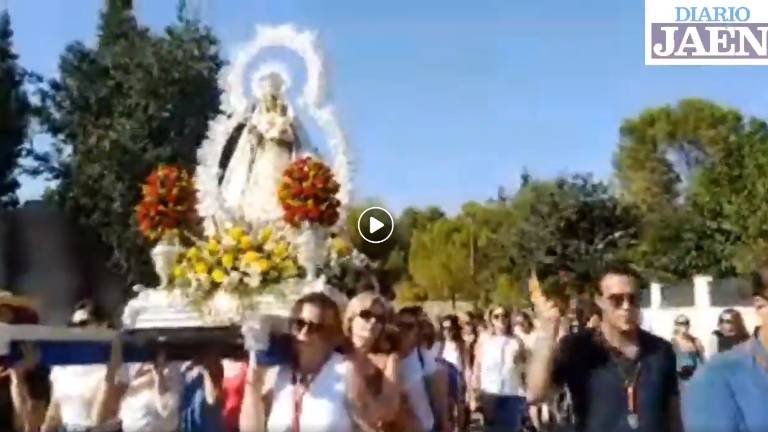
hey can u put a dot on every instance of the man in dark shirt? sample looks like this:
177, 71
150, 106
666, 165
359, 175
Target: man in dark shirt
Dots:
621, 378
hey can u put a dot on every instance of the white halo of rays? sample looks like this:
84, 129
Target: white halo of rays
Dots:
235, 108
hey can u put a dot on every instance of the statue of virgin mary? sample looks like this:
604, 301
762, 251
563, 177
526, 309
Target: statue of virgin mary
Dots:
266, 146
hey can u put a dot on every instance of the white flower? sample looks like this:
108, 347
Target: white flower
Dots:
231, 281
253, 279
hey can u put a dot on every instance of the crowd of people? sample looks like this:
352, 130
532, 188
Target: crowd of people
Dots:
371, 367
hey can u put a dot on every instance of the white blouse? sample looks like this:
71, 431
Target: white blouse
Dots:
498, 374
324, 406
75, 389
144, 409
452, 354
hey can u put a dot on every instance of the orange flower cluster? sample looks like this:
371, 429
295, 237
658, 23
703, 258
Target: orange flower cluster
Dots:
167, 204
308, 193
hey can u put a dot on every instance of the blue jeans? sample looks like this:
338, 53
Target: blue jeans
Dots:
506, 412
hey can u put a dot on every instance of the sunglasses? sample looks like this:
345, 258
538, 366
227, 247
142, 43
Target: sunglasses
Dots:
726, 320
368, 316
618, 300
300, 324
682, 323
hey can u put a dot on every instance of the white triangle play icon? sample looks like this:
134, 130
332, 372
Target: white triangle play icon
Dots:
374, 225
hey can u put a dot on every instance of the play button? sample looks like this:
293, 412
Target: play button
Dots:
375, 225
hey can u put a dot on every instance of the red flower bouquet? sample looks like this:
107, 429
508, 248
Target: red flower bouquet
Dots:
167, 204
307, 193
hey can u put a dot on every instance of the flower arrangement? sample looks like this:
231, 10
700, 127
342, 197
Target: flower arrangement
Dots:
307, 193
237, 261
167, 204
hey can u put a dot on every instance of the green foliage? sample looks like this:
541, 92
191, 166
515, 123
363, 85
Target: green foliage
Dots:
439, 260
572, 223
697, 172
509, 291
15, 110
118, 110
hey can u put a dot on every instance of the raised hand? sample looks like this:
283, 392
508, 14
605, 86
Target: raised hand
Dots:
547, 311
115, 359
161, 361
30, 358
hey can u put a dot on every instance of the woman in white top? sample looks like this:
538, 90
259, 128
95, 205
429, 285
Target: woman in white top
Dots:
143, 396
74, 389
499, 359
309, 394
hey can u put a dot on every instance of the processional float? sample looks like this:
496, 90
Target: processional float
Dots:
258, 224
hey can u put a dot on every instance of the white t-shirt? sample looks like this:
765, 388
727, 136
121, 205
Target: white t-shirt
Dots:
324, 406
143, 409
498, 373
75, 389
452, 354
412, 375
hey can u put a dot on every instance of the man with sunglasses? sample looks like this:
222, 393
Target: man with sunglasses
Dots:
728, 394
620, 377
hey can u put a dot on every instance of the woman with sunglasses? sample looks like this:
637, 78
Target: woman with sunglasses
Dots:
498, 362
730, 332
375, 388
688, 349
309, 392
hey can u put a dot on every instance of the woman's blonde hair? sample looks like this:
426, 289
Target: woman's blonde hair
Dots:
489, 317
366, 300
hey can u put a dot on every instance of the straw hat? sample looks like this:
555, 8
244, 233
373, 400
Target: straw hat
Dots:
24, 309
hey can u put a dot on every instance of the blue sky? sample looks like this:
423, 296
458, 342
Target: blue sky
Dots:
444, 101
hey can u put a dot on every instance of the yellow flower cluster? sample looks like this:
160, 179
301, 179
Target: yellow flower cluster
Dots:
236, 260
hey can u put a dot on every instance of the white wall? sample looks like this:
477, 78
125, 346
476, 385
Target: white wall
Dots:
703, 315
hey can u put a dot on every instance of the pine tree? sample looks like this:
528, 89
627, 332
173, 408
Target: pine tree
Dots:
14, 115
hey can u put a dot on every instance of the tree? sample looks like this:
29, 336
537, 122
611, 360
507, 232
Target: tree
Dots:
696, 170
662, 151
439, 260
413, 219
491, 229
118, 110
572, 223
15, 109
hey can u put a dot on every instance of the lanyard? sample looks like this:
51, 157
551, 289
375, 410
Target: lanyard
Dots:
299, 390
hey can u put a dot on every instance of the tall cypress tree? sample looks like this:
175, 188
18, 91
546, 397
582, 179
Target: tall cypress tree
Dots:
14, 115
